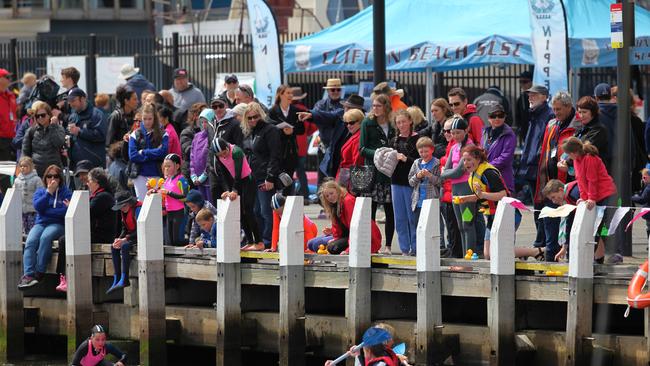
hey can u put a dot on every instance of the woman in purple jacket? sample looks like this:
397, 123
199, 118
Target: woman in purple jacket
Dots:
500, 141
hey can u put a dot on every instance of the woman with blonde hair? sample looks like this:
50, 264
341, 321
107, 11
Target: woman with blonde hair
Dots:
339, 205
262, 147
376, 132
418, 118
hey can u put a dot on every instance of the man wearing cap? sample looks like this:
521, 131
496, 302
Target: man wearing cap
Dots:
522, 114
244, 94
333, 100
333, 132
135, 80
231, 84
81, 173
540, 114
87, 127
185, 94
7, 123
607, 113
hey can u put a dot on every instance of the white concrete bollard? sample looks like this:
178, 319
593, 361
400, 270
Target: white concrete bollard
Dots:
228, 350
581, 290
358, 298
429, 308
501, 304
78, 270
292, 283
12, 329
151, 279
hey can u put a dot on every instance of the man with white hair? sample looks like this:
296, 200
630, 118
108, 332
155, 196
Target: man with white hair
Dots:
135, 80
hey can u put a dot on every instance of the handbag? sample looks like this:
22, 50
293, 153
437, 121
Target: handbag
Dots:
344, 178
362, 178
132, 170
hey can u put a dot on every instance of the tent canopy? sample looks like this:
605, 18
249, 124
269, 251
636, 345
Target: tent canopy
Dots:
455, 35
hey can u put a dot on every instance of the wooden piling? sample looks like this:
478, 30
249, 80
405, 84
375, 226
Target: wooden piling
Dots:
151, 276
78, 271
501, 304
581, 291
292, 284
12, 346
429, 308
358, 295
228, 283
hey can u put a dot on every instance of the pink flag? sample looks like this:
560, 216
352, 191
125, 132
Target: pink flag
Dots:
515, 203
637, 216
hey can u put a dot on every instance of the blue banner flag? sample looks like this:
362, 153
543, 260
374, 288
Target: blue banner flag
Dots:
266, 51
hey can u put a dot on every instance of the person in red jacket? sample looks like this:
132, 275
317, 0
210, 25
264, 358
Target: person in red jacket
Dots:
339, 205
277, 204
459, 105
350, 154
7, 124
596, 186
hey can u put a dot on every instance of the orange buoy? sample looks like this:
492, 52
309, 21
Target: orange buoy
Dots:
635, 298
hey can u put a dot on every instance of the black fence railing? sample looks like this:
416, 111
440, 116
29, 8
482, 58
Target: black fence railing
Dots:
206, 56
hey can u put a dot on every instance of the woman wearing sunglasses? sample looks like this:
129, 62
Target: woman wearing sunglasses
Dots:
51, 203
262, 147
44, 140
499, 142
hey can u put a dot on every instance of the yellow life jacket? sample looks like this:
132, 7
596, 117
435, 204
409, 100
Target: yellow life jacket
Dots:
487, 207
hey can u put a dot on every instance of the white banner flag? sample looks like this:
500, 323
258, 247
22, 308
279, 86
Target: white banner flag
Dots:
616, 219
549, 44
266, 50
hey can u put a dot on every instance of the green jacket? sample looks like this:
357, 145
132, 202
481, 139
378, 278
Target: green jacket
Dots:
373, 137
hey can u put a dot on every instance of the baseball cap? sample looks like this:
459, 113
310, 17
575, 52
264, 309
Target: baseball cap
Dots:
76, 92
602, 89
83, 166
496, 108
539, 89
232, 78
180, 73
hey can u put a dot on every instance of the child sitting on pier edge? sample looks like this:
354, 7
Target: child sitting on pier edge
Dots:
277, 204
206, 221
129, 208
93, 350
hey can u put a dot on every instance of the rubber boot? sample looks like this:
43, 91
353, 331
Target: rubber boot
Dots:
63, 284
112, 288
124, 282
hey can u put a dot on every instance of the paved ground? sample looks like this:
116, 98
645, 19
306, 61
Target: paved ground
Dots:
525, 235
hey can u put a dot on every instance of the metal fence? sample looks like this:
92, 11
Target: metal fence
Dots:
205, 56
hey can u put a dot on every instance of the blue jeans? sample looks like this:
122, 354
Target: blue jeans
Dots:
551, 231
405, 223
264, 215
314, 243
38, 248
302, 176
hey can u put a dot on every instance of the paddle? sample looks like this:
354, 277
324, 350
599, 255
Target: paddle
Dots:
371, 337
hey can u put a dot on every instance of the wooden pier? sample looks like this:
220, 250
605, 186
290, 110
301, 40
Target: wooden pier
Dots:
497, 312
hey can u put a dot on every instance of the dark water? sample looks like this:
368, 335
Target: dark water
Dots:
51, 351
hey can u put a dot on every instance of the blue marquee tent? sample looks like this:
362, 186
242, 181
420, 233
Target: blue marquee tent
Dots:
450, 35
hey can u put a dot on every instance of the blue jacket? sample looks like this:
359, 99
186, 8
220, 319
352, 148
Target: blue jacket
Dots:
539, 117
147, 157
607, 116
50, 209
210, 238
139, 83
89, 144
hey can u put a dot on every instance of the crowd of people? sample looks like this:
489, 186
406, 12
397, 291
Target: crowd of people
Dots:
192, 152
